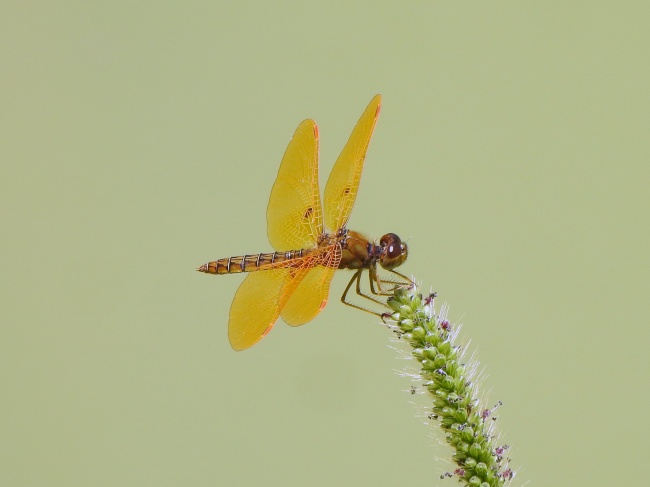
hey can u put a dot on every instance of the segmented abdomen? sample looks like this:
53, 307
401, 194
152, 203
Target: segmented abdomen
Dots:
251, 263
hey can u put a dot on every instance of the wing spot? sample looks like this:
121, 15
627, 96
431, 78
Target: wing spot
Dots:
308, 212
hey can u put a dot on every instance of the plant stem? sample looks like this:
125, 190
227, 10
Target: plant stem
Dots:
467, 428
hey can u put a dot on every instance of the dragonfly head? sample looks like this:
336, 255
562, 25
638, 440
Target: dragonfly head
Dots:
393, 251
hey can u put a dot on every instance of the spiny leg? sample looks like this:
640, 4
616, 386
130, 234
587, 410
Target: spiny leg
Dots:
372, 272
375, 279
357, 277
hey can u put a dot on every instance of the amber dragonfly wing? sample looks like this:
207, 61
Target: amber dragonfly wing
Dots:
294, 221
294, 216
343, 184
296, 288
310, 296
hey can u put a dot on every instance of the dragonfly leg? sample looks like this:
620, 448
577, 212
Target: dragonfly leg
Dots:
357, 277
374, 278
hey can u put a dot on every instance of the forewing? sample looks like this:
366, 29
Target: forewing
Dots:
310, 296
343, 183
294, 215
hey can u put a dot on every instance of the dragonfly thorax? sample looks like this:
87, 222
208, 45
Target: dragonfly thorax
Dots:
359, 252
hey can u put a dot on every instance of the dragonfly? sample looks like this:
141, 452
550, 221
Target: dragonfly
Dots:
311, 241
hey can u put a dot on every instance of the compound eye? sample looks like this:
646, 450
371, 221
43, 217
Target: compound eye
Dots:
393, 245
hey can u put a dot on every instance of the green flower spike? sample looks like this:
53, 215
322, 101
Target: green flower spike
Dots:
468, 428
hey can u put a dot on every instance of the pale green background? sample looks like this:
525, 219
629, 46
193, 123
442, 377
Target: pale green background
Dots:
141, 139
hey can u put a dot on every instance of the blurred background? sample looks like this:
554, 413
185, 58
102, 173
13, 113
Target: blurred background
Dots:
139, 140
